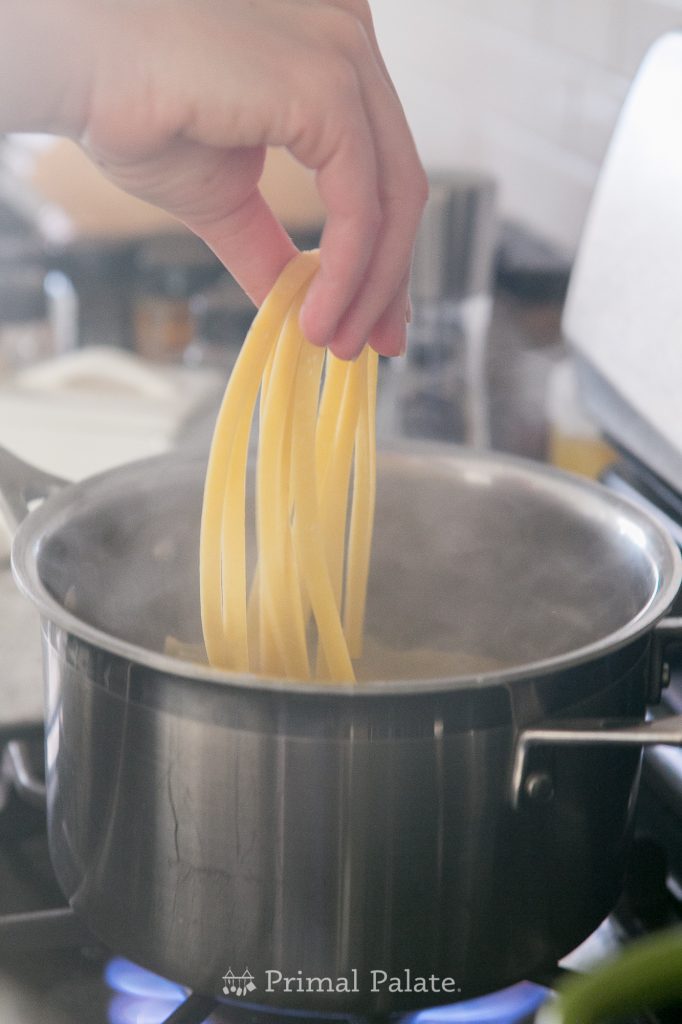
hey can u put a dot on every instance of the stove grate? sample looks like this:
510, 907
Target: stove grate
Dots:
195, 1010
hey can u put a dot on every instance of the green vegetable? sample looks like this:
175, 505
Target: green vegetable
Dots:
647, 974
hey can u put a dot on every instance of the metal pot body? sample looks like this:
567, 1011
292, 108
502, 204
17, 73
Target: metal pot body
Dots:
203, 824
199, 832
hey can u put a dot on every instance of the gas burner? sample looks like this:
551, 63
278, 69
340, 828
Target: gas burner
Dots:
141, 997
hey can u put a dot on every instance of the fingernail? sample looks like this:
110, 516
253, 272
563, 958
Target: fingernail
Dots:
357, 352
408, 312
350, 355
314, 337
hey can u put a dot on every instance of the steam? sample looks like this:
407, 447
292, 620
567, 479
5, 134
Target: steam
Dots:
464, 578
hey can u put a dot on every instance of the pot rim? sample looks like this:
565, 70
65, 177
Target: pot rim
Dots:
24, 563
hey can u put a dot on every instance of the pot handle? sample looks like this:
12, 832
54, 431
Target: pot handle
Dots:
28, 785
584, 732
20, 485
601, 732
666, 640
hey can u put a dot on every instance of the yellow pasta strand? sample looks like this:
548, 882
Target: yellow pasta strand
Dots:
362, 513
282, 597
334, 483
308, 538
240, 395
233, 553
332, 395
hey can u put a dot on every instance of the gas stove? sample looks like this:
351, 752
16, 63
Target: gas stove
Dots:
660, 798
53, 972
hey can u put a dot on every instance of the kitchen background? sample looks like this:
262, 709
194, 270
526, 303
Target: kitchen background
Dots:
527, 89
512, 103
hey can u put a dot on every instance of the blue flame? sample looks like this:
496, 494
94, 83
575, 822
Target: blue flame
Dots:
125, 1009
508, 1006
127, 977
142, 997
146, 998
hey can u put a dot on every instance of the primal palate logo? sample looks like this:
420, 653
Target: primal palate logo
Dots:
238, 984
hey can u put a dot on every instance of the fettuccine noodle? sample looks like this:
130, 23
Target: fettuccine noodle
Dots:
316, 437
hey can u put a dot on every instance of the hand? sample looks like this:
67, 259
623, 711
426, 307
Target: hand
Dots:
184, 96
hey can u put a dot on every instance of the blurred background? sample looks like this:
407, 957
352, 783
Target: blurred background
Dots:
108, 306
527, 89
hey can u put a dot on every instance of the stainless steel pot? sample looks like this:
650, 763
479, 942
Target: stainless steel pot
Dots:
469, 825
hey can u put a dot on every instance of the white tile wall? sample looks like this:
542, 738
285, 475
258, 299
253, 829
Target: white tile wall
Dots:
526, 89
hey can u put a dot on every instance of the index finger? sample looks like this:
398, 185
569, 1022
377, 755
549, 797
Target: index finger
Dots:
252, 244
343, 153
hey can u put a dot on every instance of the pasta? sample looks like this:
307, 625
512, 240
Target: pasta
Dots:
316, 435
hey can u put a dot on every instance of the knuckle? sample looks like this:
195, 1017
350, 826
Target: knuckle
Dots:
362, 11
373, 214
341, 80
358, 8
327, 82
410, 188
345, 26
421, 186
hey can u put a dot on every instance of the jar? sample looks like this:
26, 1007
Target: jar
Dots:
221, 315
575, 442
25, 330
442, 389
169, 271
